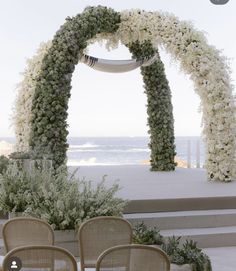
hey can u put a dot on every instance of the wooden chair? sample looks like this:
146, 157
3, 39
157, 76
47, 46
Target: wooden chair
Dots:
24, 231
133, 258
100, 233
43, 258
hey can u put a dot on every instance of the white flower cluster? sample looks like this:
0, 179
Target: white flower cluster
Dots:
205, 64
25, 93
208, 70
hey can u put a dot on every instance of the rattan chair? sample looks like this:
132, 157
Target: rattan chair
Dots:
25, 231
100, 233
133, 258
43, 258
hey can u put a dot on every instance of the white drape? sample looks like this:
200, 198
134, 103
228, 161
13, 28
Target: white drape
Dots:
116, 66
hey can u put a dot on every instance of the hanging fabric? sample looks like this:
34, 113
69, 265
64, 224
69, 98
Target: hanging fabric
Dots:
116, 66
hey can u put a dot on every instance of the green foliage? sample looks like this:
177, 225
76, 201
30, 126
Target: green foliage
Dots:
194, 255
159, 109
172, 249
61, 199
16, 188
100, 200
4, 162
188, 253
143, 235
65, 204
52, 91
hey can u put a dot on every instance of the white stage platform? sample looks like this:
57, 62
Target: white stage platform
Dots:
182, 189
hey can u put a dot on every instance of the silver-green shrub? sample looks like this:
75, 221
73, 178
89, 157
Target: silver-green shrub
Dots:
63, 200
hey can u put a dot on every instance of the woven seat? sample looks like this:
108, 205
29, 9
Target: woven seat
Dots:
42, 258
100, 233
133, 258
26, 231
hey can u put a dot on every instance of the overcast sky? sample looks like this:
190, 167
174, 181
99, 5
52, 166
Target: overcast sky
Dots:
105, 104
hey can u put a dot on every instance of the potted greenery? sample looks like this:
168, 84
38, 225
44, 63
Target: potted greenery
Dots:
91, 202
143, 235
65, 202
61, 199
185, 257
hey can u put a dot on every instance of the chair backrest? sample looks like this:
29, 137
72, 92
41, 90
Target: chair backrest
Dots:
100, 233
25, 231
133, 258
43, 258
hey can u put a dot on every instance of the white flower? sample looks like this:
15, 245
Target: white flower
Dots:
208, 69
25, 93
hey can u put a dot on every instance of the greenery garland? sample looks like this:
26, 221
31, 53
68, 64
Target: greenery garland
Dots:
52, 92
159, 109
207, 67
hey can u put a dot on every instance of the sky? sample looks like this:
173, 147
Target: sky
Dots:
104, 104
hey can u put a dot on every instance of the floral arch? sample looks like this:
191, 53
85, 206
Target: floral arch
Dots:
43, 127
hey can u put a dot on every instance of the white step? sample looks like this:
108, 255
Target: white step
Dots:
222, 258
185, 219
206, 237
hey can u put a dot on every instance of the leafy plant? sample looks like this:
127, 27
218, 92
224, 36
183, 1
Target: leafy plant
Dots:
16, 188
98, 200
194, 255
65, 201
4, 162
188, 253
143, 235
172, 249
56, 200
61, 199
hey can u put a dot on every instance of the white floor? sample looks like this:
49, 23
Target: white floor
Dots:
222, 258
138, 182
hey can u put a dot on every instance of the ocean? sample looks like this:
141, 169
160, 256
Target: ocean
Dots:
124, 150
105, 151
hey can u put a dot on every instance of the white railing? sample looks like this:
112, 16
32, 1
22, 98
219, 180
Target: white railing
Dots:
197, 153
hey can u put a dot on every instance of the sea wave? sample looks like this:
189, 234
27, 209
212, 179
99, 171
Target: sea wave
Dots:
84, 146
139, 150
